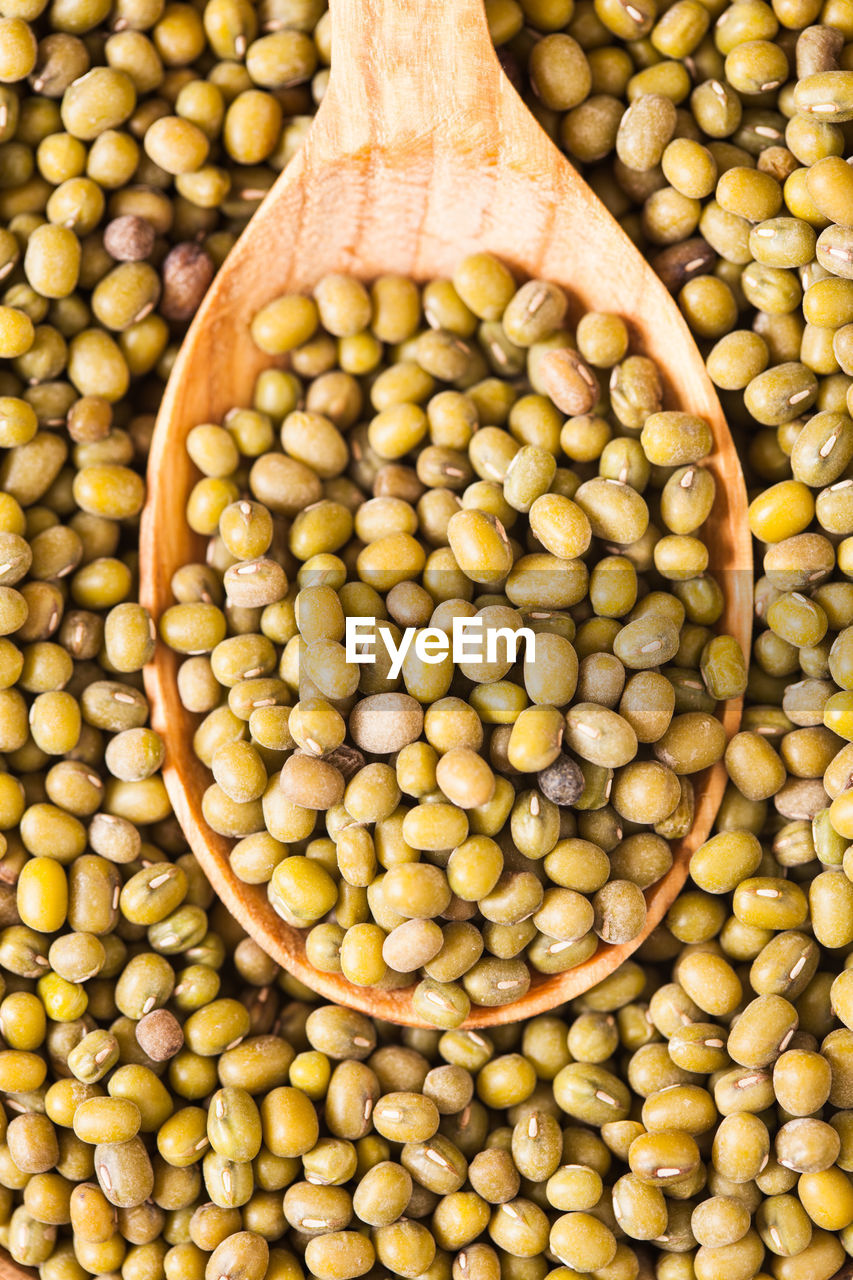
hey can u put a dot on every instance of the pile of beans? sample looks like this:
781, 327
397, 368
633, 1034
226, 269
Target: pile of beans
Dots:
695, 1104
174, 1107
717, 134
482, 816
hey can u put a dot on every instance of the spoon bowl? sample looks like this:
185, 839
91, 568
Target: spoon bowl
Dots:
421, 152
10, 1270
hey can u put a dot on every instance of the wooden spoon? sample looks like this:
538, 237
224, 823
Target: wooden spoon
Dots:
10, 1270
420, 153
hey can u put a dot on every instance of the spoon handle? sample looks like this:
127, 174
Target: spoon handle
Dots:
403, 71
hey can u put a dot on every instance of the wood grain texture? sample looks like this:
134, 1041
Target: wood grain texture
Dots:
10, 1270
420, 153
